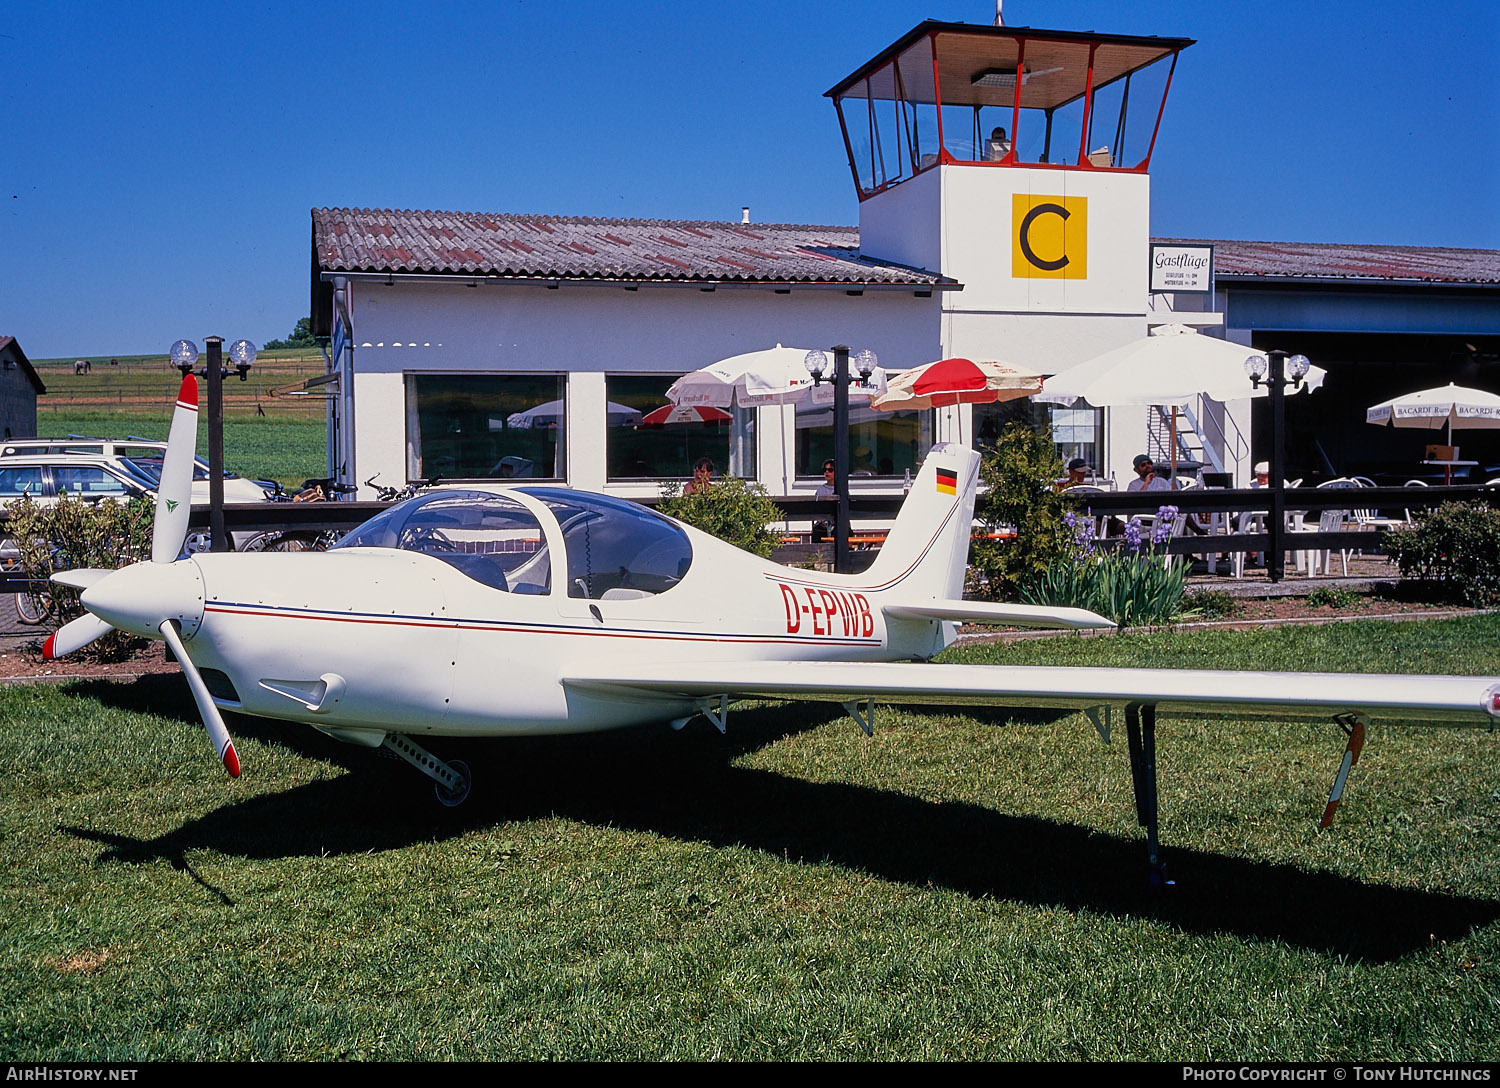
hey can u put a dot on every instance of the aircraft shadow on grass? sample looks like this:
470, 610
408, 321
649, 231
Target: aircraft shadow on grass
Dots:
684, 786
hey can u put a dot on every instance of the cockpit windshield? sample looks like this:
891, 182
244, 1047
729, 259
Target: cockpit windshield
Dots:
616, 549
492, 538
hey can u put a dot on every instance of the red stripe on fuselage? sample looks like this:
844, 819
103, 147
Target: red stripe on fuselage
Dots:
533, 629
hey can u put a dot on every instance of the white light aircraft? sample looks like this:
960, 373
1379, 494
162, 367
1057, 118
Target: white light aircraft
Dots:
527, 610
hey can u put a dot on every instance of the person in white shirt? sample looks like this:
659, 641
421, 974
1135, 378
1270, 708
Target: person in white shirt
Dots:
1146, 478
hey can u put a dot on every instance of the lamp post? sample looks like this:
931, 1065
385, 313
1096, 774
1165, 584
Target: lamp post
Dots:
1277, 370
865, 362
184, 356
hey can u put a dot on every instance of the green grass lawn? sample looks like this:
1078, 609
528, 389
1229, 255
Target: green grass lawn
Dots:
962, 885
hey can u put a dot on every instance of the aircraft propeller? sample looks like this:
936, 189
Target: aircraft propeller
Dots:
142, 598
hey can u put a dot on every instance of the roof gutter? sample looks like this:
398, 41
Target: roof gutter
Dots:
475, 279
1234, 279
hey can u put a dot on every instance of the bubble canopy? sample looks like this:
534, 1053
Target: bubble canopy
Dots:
613, 549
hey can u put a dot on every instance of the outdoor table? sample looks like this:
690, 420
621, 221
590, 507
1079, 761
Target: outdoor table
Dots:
1449, 466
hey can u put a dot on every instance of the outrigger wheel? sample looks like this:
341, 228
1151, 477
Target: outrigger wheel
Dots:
456, 795
451, 781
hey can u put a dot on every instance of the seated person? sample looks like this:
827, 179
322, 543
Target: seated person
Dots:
1078, 473
999, 146
703, 476
1146, 478
828, 489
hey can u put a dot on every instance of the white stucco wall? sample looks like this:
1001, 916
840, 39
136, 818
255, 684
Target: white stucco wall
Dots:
590, 331
969, 218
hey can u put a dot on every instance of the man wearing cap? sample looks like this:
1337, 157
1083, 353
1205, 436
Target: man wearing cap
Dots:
1145, 476
1078, 473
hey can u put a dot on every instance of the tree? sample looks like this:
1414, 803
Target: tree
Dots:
1018, 475
732, 510
301, 337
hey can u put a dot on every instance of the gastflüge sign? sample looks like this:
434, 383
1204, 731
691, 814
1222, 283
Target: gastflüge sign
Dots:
1187, 269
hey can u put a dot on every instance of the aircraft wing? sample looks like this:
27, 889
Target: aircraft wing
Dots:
1011, 615
1282, 696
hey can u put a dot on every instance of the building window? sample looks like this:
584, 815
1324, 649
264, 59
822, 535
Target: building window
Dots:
486, 426
646, 440
1077, 430
880, 443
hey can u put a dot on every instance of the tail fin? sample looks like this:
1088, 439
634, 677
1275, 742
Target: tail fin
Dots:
927, 550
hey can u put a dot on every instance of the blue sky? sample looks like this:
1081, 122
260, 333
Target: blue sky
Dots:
161, 158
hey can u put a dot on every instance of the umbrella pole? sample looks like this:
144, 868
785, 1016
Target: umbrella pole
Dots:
1172, 449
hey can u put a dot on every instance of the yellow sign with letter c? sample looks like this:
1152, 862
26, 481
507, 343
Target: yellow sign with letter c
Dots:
1049, 237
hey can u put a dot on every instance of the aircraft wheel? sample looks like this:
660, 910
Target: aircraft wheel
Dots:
459, 794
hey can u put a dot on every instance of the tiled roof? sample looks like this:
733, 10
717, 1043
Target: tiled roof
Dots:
1356, 263
574, 248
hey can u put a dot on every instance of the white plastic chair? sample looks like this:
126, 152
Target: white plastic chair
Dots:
1371, 519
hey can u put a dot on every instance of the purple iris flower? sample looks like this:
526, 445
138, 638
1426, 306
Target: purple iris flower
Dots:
1166, 517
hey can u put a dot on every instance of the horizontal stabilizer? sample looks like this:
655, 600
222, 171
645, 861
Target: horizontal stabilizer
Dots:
1010, 615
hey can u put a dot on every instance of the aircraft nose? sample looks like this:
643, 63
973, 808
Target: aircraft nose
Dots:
140, 598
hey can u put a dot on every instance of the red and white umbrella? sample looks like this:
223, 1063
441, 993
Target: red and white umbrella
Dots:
957, 381
685, 413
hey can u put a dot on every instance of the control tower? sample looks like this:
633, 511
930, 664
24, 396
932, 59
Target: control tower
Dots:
1014, 160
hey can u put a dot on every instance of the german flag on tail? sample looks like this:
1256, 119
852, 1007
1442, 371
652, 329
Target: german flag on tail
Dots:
947, 481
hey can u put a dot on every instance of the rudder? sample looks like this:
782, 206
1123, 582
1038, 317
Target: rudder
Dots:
927, 550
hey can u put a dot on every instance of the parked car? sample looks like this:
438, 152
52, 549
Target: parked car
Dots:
142, 458
45, 476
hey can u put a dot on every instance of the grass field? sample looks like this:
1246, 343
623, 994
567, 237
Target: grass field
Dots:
964, 886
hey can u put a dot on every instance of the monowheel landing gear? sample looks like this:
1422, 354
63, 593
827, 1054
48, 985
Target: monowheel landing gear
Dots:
451, 781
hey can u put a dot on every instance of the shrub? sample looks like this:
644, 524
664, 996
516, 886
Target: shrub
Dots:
1334, 597
72, 533
1017, 474
1455, 549
731, 509
1137, 585
1213, 604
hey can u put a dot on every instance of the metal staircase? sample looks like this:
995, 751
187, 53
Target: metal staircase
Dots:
1198, 439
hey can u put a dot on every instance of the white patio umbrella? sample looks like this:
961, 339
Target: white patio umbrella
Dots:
1173, 365
771, 376
1170, 367
1432, 409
